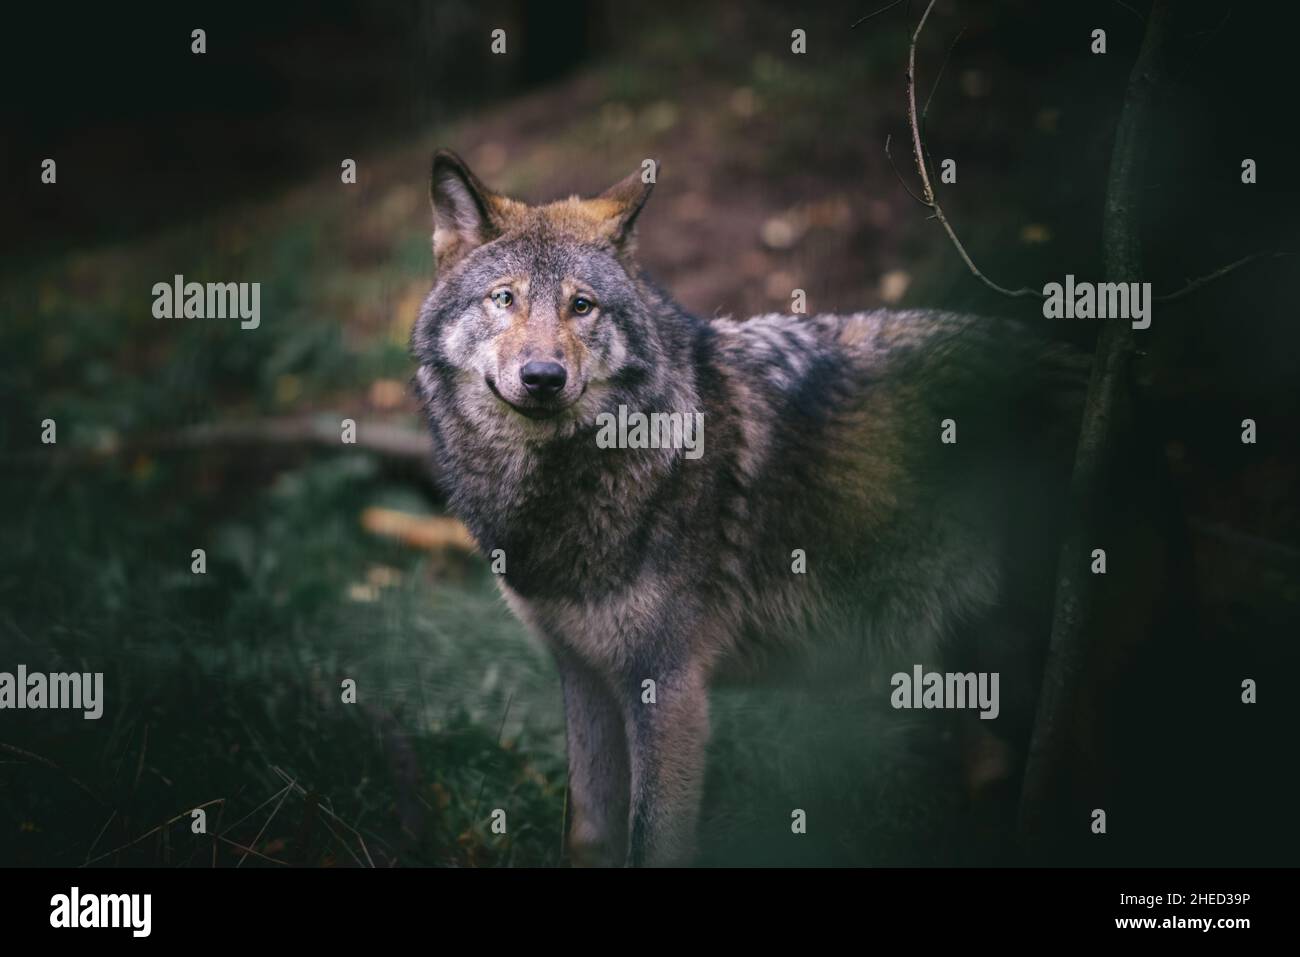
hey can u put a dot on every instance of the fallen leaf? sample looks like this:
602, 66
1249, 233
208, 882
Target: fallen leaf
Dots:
432, 532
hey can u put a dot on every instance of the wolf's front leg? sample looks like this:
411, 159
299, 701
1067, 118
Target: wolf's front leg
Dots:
666, 743
598, 766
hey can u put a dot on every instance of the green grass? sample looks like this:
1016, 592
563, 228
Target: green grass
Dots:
222, 688
215, 681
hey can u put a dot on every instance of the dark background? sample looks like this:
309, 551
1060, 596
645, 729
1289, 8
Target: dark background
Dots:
225, 166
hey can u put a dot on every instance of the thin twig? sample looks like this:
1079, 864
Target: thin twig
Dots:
1219, 273
342, 823
354, 832
253, 842
139, 765
889, 6
249, 850
254, 810
221, 811
1232, 536
890, 157
1136, 13
46, 762
918, 153
100, 835
1214, 29
929, 198
925, 110
153, 831
343, 843
500, 730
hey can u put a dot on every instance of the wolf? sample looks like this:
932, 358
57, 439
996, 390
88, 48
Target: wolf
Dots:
853, 502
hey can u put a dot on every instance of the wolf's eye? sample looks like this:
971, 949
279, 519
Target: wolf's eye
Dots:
503, 298
582, 305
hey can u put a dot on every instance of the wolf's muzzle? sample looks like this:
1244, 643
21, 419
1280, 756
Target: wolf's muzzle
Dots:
543, 380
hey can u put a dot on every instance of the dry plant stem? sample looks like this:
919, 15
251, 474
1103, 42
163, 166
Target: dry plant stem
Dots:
928, 197
1219, 273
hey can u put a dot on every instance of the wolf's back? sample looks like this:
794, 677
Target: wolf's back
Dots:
929, 387
912, 456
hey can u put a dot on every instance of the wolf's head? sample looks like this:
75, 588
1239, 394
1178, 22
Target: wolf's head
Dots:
539, 315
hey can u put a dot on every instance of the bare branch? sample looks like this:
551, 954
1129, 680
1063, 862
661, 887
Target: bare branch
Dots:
46, 762
249, 850
889, 6
402, 450
152, 831
890, 156
918, 153
342, 823
100, 835
1230, 536
925, 110
274, 812
1219, 273
1214, 29
1136, 13
386, 439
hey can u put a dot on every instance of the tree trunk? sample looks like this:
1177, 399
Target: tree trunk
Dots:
1108, 399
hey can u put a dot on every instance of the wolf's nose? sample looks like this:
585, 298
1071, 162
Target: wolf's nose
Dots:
543, 379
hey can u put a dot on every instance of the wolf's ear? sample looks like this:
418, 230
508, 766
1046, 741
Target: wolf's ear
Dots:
462, 209
625, 200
